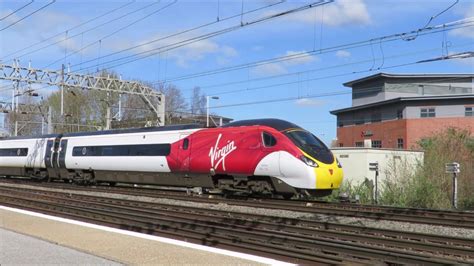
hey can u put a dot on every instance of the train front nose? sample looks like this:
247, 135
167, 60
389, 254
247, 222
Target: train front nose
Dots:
328, 176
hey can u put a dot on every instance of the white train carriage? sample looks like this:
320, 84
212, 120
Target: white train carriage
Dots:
138, 152
24, 156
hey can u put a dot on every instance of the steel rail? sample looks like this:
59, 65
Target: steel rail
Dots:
348, 238
411, 215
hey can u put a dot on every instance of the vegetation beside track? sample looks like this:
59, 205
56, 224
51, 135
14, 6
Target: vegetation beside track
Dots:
430, 187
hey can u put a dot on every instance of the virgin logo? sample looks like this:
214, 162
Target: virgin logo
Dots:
218, 154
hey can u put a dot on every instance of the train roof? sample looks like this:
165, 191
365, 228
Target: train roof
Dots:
32, 137
111, 132
134, 130
277, 124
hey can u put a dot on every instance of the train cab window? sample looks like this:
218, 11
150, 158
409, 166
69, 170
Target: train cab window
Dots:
185, 144
268, 139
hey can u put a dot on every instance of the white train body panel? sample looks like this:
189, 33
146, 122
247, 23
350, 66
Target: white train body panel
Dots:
122, 163
35, 156
287, 168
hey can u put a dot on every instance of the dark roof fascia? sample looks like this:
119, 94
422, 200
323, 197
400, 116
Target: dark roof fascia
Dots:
388, 75
403, 99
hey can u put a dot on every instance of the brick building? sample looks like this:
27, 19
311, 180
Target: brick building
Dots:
397, 110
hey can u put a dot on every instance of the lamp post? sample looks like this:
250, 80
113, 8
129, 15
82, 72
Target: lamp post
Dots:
207, 107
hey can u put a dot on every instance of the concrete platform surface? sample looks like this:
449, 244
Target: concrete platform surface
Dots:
114, 245
18, 249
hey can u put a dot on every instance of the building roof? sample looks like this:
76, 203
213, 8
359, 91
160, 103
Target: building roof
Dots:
421, 75
404, 99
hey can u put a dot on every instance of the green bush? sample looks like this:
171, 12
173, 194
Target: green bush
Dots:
430, 186
363, 190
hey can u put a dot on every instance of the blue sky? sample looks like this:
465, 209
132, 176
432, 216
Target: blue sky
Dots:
330, 25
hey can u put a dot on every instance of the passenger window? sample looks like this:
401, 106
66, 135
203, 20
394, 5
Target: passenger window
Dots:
185, 144
268, 140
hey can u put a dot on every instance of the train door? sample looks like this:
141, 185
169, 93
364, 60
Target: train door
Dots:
48, 157
62, 154
51, 155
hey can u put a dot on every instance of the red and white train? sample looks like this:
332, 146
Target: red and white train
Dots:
264, 156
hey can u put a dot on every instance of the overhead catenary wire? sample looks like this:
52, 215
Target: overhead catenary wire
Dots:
16, 10
115, 32
6, 57
329, 76
468, 22
411, 38
27, 16
90, 29
316, 95
151, 52
319, 78
182, 32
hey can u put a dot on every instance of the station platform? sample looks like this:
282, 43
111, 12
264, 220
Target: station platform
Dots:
34, 238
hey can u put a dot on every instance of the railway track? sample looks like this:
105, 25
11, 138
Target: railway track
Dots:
411, 215
293, 240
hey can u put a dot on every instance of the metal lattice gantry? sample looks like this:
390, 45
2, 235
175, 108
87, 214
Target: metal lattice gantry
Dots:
7, 107
65, 79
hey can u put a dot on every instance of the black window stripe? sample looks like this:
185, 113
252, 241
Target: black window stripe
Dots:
14, 152
123, 150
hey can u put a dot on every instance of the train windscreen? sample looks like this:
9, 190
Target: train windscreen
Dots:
310, 144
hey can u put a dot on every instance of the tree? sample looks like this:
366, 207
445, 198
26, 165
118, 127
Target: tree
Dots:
175, 104
198, 102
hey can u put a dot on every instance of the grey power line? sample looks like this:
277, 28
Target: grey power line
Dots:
113, 33
151, 52
399, 36
70, 29
182, 32
342, 92
27, 16
90, 29
17, 10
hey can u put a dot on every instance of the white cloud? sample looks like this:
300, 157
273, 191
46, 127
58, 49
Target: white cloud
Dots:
343, 12
42, 23
309, 102
269, 69
467, 32
229, 51
297, 58
343, 54
186, 54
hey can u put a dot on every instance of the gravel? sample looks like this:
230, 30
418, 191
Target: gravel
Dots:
381, 224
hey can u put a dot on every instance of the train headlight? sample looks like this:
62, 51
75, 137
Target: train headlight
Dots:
338, 163
308, 161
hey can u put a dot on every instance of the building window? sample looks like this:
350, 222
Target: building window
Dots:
359, 121
359, 144
376, 117
340, 124
399, 114
427, 112
469, 111
400, 143
376, 144
341, 144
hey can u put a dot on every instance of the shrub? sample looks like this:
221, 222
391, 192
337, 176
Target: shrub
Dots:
430, 186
